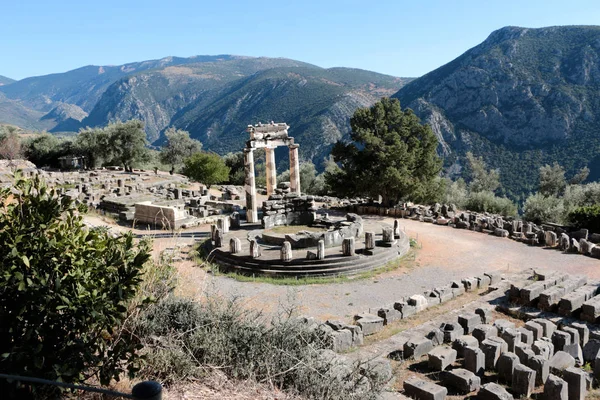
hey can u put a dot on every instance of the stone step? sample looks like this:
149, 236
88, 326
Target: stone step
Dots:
549, 298
572, 302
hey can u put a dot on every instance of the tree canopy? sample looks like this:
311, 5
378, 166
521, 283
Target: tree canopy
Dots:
179, 146
552, 179
482, 179
391, 154
207, 168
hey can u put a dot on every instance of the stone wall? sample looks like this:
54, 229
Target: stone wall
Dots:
164, 216
290, 209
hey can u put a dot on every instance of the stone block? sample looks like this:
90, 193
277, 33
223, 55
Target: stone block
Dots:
485, 314
457, 288
573, 301
526, 336
574, 333
470, 284
511, 337
369, 323
596, 364
341, 340
462, 380
424, 390
548, 327
560, 339
417, 347
590, 310
502, 324
530, 293
555, 388
560, 361
591, 350
492, 350
493, 391
537, 329
418, 301
523, 382
506, 365
389, 314
524, 353
576, 379
543, 348
405, 309
483, 281
494, 277
482, 332
574, 349
474, 360
441, 358
436, 336
584, 332
541, 366
464, 341
452, 330
469, 321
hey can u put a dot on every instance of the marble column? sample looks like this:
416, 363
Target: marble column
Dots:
251, 200
294, 169
271, 171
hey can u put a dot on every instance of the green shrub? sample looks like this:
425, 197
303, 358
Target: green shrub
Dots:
184, 337
65, 291
488, 202
587, 217
539, 208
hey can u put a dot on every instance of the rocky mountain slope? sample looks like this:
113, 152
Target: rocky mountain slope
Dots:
521, 98
5, 81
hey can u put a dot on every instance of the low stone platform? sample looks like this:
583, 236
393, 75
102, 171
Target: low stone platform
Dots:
334, 262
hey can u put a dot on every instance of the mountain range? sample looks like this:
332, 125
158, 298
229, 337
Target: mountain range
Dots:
522, 98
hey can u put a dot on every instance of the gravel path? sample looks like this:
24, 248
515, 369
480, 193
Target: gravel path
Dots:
445, 254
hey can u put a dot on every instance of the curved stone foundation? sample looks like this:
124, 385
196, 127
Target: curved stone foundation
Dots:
334, 263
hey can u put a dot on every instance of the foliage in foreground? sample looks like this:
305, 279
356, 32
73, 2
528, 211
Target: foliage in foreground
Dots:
186, 339
65, 291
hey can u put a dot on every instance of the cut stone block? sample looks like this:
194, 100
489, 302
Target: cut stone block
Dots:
436, 336
405, 309
511, 337
457, 288
474, 360
417, 347
576, 379
482, 332
548, 326
492, 350
574, 333
470, 284
526, 336
597, 368
584, 332
389, 314
493, 391
341, 340
452, 330
441, 358
483, 281
444, 293
524, 353
590, 310
419, 301
485, 314
506, 366
469, 321
369, 323
555, 388
464, 341
560, 339
573, 301
523, 382
541, 366
462, 380
503, 324
560, 361
591, 350
424, 390
543, 348
530, 293
574, 349
537, 329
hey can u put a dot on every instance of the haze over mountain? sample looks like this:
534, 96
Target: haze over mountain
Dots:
522, 98
5, 81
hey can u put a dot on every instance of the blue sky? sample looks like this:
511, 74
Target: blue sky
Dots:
402, 38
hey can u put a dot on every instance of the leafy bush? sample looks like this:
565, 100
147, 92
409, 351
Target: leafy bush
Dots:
488, 202
65, 291
456, 193
184, 338
539, 208
587, 217
207, 168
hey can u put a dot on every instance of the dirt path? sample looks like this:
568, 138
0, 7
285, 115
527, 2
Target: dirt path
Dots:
445, 254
